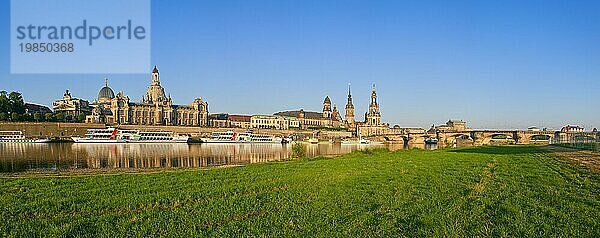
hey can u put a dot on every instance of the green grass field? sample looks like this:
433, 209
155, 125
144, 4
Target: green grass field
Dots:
488, 191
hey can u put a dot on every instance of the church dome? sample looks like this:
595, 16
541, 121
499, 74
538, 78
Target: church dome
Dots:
327, 100
106, 92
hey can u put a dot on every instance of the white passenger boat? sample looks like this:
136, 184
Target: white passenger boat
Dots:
356, 142
361, 141
114, 135
106, 135
153, 137
235, 137
258, 138
18, 137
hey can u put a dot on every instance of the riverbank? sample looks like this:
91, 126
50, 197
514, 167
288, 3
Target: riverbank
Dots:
480, 191
67, 130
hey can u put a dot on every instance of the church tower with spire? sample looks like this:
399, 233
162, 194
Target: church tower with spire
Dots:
349, 108
373, 117
155, 93
327, 107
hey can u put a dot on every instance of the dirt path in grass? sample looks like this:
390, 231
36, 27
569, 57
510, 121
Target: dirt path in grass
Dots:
585, 158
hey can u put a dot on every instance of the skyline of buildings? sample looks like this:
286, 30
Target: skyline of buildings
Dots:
156, 108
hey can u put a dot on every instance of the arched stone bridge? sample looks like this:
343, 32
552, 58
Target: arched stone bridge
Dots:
486, 137
415, 136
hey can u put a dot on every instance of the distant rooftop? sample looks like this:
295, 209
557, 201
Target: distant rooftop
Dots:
240, 118
295, 113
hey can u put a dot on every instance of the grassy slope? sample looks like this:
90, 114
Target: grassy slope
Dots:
499, 191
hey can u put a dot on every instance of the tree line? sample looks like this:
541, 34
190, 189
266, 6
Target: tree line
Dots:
12, 108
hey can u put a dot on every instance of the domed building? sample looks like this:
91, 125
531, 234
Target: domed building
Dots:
106, 94
155, 108
101, 112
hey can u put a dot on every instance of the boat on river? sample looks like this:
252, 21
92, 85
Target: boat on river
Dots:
235, 137
115, 135
361, 142
18, 137
104, 135
153, 137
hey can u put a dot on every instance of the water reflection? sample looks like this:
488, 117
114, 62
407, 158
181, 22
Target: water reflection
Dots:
52, 157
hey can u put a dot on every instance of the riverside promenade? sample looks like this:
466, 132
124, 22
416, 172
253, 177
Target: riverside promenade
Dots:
66, 130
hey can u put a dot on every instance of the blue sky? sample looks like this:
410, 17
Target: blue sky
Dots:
504, 64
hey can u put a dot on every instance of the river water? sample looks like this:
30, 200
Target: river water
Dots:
53, 157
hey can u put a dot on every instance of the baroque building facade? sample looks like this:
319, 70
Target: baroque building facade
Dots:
372, 125
373, 116
70, 105
223, 120
155, 108
330, 117
101, 112
276, 122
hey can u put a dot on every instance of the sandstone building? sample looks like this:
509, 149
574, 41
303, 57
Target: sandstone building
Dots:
373, 117
227, 120
277, 122
69, 105
372, 125
155, 108
331, 118
328, 118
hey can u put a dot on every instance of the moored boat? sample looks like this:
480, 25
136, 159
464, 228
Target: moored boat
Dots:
18, 137
235, 137
361, 142
258, 138
114, 135
154, 137
105, 135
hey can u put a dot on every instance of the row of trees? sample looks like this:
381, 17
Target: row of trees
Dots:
11, 103
12, 108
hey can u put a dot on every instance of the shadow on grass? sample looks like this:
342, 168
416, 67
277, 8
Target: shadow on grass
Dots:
500, 150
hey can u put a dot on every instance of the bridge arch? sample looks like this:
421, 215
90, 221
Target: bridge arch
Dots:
416, 138
540, 137
499, 138
458, 140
